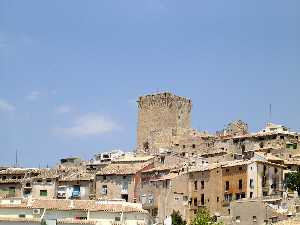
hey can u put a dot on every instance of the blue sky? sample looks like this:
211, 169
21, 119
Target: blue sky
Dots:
70, 71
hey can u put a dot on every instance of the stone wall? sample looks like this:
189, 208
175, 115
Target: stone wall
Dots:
160, 111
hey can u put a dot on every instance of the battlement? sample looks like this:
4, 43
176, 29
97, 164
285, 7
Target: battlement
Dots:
164, 99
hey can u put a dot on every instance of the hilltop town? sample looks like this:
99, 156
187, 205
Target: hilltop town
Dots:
239, 176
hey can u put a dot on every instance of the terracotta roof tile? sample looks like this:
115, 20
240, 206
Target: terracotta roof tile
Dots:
120, 169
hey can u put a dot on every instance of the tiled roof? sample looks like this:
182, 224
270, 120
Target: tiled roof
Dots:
295, 221
134, 158
120, 169
292, 162
269, 156
78, 176
47, 173
205, 167
159, 168
66, 204
166, 177
19, 170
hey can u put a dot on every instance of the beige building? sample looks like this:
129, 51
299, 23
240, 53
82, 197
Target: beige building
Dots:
77, 185
120, 180
13, 181
212, 186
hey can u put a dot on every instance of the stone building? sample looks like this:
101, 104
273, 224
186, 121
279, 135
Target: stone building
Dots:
12, 181
42, 186
213, 186
159, 112
77, 184
254, 211
120, 180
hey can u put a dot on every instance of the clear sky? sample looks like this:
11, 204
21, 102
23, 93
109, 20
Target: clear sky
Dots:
71, 71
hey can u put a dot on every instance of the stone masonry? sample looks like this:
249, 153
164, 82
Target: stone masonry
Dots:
160, 111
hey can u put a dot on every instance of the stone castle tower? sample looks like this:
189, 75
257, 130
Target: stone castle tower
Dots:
160, 111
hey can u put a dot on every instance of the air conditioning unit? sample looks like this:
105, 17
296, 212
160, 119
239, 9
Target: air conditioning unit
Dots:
36, 211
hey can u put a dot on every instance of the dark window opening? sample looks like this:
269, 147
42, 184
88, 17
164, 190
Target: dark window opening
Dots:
240, 184
202, 199
125, 197
227, 185
195, 201
146, 145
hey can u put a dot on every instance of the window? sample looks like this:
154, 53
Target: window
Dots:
195, 201
48, 180
183, 146
227, 185
240, 168
218, 199
251, 194
238, 219
243, 195
202, 184
251, 183
39, 181
202, 199
240, 184
227, 170
104, 190
124, 177
193, 146
19, 177
22, 215
14, 177
195, 185
4, 178
276, 170
254, 219
104, 177
117, 218
43, 193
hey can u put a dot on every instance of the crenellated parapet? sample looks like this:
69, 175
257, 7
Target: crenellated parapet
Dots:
164, 100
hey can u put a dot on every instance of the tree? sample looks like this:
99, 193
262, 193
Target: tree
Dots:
293, 181
203, 218
177, 219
